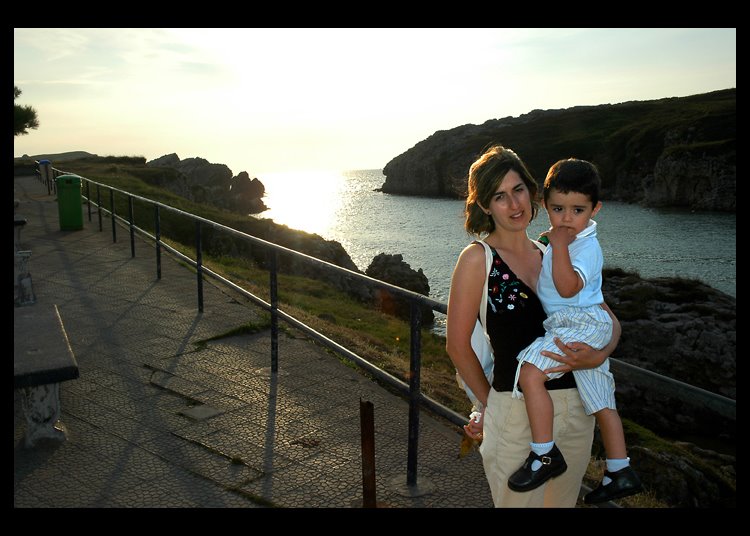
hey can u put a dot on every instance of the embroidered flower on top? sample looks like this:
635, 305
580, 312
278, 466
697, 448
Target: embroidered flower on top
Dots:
504, 287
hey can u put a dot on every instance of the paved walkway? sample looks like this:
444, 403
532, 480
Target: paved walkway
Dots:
157, 420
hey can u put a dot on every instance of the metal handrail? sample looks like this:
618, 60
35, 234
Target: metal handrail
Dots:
721, 405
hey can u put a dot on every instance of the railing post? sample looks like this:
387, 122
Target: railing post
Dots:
274, 312
199, 263
132, 227
157, 233
112, 213
412, 488
88, 198
367, 431
414, 394
99, 205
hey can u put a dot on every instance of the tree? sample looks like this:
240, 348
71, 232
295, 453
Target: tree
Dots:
24, 117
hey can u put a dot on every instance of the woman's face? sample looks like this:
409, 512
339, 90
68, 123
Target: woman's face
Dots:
510, 205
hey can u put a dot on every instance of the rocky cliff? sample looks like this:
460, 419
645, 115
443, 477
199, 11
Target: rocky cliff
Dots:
681, 329
678, 152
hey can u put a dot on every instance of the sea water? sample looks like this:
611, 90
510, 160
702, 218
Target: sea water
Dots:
429, 233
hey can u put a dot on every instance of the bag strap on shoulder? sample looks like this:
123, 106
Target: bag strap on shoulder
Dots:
487, 267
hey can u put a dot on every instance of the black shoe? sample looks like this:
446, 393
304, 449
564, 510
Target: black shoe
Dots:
553, 464
624, 483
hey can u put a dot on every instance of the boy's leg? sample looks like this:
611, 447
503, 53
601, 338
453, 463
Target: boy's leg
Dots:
613, 435
545, 460
538, 402
620, 480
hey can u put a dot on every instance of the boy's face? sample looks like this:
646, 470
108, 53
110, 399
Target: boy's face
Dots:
572, 210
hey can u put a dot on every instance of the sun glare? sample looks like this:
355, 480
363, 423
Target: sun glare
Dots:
308, 201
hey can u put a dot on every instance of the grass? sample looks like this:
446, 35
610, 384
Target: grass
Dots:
381, 339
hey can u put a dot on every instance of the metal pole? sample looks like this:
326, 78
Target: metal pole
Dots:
132, 227
157, 232
88, 198
414, 395
274, 313
99, 205
112, 213
199, 264
367, 427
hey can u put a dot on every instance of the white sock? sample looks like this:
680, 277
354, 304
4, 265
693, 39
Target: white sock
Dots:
540, 449
614, 465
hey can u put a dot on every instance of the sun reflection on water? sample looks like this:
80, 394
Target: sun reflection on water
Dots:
304, 200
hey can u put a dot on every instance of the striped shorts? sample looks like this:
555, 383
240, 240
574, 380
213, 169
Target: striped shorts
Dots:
591, 325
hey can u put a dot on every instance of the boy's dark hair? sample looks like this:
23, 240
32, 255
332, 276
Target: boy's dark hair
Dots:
573, 175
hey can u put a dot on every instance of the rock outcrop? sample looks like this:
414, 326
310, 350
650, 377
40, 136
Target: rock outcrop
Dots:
392, 269
213, 184
687, 476
682, 329
685, 330
246, 194
678, 152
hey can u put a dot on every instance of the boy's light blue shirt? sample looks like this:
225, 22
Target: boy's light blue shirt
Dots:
587, 260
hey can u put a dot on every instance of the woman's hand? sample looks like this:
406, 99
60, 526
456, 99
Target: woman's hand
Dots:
579, 355
475, 426
575, 356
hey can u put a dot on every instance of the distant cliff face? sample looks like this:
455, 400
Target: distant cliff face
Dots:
677, 152
702, 177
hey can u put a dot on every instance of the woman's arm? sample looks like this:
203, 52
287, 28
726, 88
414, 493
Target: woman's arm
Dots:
463, 307
578, 355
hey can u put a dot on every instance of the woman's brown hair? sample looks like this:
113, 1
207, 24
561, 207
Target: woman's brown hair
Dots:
485, 174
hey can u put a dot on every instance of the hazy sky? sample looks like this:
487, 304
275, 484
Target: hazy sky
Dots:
271, 100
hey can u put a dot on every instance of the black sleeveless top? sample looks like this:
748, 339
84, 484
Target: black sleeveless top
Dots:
514, 320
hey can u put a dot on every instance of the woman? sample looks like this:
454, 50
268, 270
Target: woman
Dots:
501, 202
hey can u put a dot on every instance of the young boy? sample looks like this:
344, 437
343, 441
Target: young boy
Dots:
569, 287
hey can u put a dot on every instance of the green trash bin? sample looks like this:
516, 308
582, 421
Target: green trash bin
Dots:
69, 202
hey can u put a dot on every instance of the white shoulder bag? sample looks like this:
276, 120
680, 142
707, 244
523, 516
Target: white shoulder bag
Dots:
480, 341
